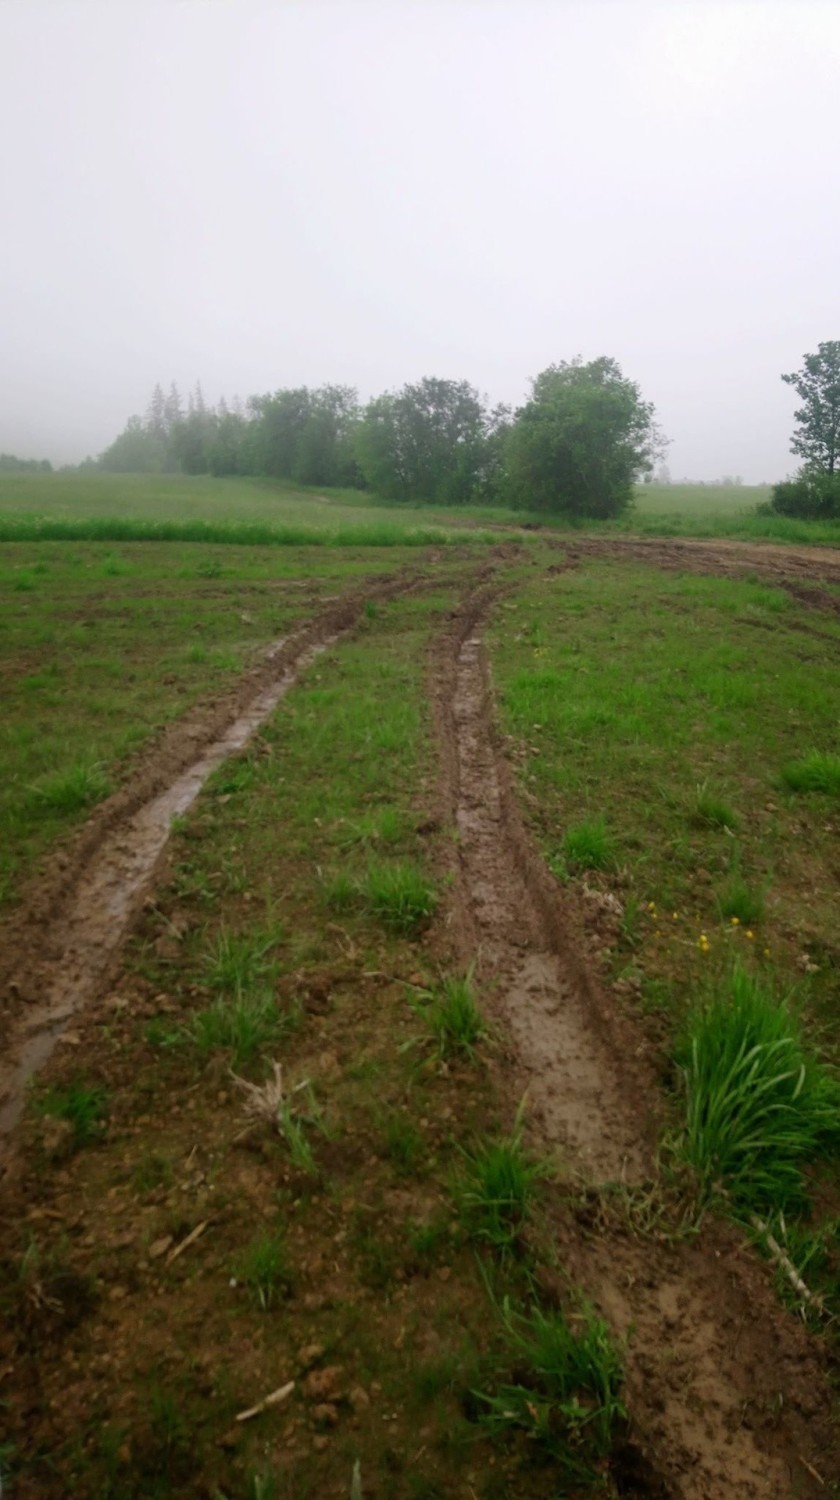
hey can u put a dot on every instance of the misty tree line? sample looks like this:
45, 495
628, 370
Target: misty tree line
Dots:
11, 464
576, 446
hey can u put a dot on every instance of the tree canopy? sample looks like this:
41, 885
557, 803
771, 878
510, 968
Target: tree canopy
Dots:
424, 442
817, 435
582, 440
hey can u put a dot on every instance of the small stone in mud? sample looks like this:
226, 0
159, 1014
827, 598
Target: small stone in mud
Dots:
160, 1247
326, 1414
359, 1400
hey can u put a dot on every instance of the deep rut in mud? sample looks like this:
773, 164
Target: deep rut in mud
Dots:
726, 1393
572, 1083
59, 964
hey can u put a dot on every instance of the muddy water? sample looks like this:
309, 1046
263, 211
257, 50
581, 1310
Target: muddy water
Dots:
572, 1090
109, 892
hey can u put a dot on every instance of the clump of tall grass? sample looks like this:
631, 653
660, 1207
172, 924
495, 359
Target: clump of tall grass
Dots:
566, 1394
710, 811
496, 1189
741, 901
396, 892
68, 791
400, 896
452, 1015
759, 1103
817, 772
589, 846
237, 962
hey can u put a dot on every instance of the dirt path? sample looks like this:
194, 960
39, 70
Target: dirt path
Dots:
725, 1390
59, 951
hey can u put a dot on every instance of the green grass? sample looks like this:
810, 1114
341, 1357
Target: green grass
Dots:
565, 1397
109, 508
819, 771
404, 1144
70, 791
82, 1105
120, 507
264, 1269
759, 1105
98, 660
396, 892
496, 1189
743, 902
241, 961
661, 706
589, 846
452, 1016
245, 1026
710, 811
399, 895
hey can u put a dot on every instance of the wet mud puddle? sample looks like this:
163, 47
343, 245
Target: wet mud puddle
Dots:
107, 894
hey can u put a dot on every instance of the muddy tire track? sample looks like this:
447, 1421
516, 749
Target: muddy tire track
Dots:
727, 1393
61, 948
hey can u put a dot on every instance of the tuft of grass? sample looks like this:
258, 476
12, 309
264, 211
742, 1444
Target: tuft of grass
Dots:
70, 791
294, 1127
239, 962
340, 892
740, 900
817, 772
759, 1104
496, 1189
710, 811
264, 1269
566, 1395
589, 846
82, 1105
452, 1016
404, 1144
245, 1026
400, 896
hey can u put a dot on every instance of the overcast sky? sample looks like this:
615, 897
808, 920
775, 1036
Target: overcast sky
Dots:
260, 193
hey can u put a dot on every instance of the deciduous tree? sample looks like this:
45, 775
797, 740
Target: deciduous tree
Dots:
817, 384
582, 440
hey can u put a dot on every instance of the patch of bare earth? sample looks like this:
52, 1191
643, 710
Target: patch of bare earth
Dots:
727, 1393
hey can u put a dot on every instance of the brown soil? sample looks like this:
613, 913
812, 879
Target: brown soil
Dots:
726, 1391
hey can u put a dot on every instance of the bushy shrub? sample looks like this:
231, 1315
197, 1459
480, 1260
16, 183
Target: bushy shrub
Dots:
815, 497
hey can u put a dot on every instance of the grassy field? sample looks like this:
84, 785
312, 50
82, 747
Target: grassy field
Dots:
113, 507
101, 646
285, 1146
344, 1243
677, 743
